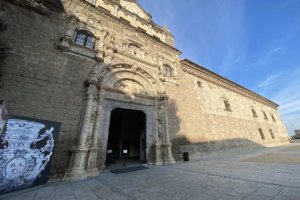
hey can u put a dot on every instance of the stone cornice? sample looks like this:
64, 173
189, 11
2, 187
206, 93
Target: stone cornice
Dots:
106, 13
201, 72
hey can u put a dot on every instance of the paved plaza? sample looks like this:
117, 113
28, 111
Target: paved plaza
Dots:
252, 173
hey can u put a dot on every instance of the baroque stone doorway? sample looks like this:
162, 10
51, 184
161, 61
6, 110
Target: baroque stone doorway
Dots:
127, 132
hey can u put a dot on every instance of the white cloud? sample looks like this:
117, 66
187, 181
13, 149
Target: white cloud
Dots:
277, 50
268, 81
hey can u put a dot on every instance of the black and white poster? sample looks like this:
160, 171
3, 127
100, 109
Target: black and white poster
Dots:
3, 115
26, 149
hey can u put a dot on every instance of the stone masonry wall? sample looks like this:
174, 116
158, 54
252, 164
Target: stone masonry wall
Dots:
199, 124
41, 81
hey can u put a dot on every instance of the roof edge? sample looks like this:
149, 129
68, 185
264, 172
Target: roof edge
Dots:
230, 83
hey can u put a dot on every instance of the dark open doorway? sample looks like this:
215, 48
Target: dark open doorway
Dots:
127, 131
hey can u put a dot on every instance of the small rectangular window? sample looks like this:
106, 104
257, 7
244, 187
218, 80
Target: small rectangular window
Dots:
227, 105
90, 42
262, 136
80, 39
199, 84
265, 115
272, 134
273, 118
168, 71
254, 113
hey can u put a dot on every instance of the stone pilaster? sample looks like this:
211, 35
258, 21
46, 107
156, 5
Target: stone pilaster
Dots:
77, 169
168, 157
157, 150
92, 160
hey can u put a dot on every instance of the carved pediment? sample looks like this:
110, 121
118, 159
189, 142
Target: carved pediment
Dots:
132, 6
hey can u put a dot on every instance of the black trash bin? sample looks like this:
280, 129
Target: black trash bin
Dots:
186, 156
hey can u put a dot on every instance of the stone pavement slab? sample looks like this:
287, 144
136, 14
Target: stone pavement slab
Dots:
228, 175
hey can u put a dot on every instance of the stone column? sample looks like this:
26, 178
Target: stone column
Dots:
168, 156
77, 169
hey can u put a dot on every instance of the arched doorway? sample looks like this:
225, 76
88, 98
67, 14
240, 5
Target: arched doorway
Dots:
120, 86
127, 132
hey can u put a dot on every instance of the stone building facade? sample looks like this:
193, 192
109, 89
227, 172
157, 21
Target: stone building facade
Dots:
76, 61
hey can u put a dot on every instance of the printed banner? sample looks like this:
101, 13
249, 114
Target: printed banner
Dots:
3, 115
26, 149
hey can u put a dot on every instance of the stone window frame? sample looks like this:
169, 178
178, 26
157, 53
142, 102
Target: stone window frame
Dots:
68, 41
88, 35
254, 113
261, 133
272, 134
169, 77
168, 71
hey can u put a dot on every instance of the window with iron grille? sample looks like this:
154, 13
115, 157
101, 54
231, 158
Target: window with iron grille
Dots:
86, 39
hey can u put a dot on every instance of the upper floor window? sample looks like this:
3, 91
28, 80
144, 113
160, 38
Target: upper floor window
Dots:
199, 84
168, 71
262, 136
273, 118
254, 112
272, 134
86, 39
265, 115
227, 105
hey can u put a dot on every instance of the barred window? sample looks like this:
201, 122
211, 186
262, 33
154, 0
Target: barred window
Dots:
86, 39
262, 136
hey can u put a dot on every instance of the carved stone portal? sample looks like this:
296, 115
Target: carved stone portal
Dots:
130, 87
113, 87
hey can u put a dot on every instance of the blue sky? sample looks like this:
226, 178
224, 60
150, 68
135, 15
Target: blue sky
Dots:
255, 43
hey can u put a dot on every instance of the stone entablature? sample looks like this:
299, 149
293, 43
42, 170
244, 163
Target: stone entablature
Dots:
201, 72
132, 14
